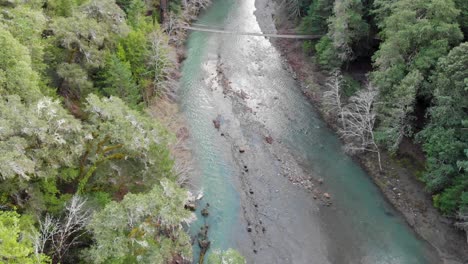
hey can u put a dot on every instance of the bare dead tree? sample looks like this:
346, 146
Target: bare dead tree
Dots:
359, 120
47, 229
173, 28
193, 7
332, 97
161, 61
199, 3
57, 236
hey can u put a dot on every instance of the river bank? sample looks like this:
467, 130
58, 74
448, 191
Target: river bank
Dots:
397, 181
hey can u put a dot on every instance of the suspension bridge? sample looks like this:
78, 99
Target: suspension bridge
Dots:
203, 28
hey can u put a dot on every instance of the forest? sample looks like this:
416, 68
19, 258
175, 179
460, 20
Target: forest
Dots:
416, 88
86, 173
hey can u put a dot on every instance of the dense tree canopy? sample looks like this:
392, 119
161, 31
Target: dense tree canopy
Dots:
16, 73
86, 174
143, 228
445, 137
420, 74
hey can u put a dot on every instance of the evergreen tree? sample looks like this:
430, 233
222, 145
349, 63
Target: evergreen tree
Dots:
16, 245
118, 81
415, 35
16, 73
346, 30
142, 227
445, 139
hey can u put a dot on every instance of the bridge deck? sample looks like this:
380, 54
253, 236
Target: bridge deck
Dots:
291, 36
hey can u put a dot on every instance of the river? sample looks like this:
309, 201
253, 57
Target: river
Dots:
260, 199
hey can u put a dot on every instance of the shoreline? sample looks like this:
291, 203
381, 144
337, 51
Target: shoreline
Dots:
397, 182
166, 107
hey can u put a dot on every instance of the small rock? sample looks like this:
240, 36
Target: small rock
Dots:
320, 181
315, 197
222, 134
263, 229
326, 195
204, 212
255, 251
241, 150
251, 192
217, 123
204, 243
190, 206
249, 229
269, 139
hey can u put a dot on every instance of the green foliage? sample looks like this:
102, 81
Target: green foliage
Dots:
36, 146
151, 59
125, 4
16, 73
326, 54
308, 46
137, 50
118, 80
415, 35
394, 114
381, 9
135, 13
347, 30
144, 227
16, 245
462, 5
229, 256
315, 22
123, 143
81, 47
75, 81
27, 25
63, 8
445, 139
84, 34
350, 86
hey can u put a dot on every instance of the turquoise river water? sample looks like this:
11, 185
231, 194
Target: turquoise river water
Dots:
263, 98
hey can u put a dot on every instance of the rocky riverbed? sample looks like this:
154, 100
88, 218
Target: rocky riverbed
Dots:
397, 181
279, 187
